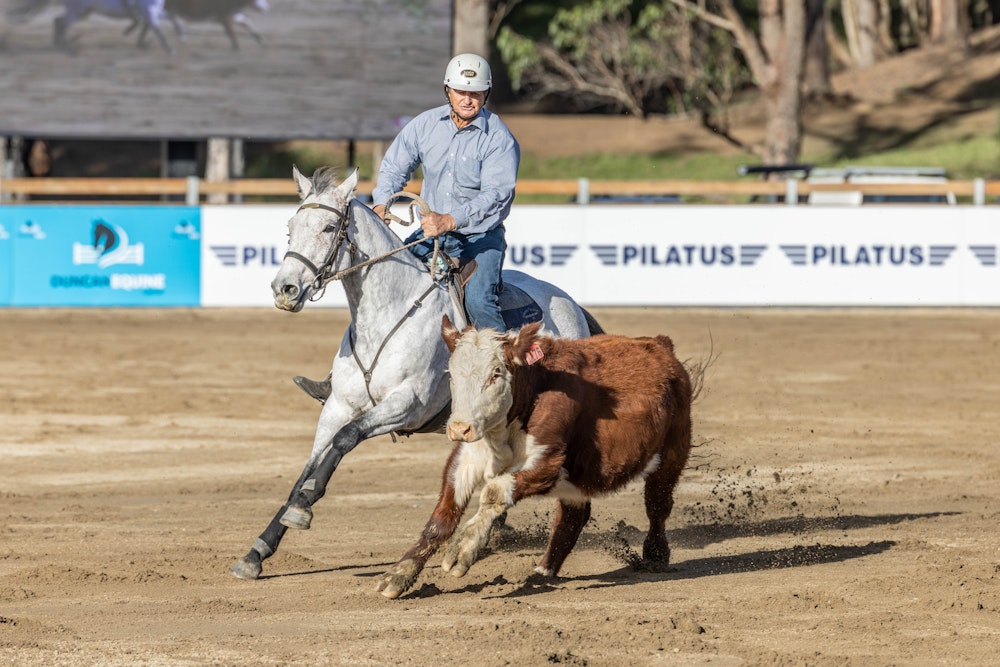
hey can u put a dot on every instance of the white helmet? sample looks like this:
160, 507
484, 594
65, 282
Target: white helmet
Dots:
467, 71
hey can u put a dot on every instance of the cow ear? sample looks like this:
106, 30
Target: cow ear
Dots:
521, 343
449, 332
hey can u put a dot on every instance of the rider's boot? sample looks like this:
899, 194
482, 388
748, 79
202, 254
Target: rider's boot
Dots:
318, 390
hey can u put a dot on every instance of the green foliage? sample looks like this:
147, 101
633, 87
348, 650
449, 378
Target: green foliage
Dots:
640, 57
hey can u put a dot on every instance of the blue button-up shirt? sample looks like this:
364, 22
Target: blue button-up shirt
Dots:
469, 173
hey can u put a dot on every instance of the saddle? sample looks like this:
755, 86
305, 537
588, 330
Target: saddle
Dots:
517, 308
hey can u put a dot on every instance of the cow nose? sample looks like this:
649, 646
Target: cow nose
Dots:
461, 432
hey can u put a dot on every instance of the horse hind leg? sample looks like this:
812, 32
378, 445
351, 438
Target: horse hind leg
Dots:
569, 522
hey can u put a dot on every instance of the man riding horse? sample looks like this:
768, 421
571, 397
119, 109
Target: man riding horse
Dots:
470, 161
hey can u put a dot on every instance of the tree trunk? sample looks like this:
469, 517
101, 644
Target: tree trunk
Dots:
816, 78
861, 28
471, 29
947, 20
783, 38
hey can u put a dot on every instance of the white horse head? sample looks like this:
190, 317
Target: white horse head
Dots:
317, 237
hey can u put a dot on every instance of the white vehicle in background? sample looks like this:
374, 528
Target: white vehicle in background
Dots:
841, 196
881, 175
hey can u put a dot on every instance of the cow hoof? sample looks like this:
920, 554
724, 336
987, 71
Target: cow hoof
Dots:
247, 569
297, 517
656, 552
398, 579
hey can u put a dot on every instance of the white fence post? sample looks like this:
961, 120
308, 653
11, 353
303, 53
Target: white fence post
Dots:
791, 192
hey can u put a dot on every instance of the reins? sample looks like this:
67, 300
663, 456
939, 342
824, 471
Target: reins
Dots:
324, 273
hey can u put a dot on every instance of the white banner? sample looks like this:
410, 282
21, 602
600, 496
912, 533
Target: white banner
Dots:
684, 255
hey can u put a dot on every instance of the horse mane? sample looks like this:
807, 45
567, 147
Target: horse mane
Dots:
324, 179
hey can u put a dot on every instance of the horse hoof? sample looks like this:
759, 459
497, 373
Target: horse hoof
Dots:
246, 569
297, 517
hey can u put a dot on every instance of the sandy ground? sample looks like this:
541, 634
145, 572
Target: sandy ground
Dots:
841, 509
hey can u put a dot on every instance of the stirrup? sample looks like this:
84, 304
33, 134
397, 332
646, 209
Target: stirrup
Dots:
318, 390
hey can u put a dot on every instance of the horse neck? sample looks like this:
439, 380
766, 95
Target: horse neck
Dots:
377, 288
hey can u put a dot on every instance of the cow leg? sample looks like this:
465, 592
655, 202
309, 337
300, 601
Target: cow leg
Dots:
569, 523
500, 494
464, 548
659, 499
452, 501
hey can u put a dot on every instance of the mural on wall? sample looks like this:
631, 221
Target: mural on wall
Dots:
189, 69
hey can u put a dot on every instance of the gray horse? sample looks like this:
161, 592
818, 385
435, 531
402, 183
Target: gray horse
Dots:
388, 376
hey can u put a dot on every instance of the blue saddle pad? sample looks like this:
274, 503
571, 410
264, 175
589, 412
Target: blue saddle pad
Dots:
517, 308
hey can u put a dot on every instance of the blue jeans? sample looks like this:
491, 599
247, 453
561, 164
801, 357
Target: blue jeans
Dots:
482, 294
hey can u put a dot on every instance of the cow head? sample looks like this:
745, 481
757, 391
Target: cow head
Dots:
481, 371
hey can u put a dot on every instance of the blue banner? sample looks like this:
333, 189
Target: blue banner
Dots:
101, 255
6, 260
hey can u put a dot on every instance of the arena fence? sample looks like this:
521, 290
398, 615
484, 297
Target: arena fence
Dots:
193, 191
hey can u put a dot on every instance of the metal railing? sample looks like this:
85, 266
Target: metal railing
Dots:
194, 191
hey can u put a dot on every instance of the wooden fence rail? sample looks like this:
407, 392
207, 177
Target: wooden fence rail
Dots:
195, 191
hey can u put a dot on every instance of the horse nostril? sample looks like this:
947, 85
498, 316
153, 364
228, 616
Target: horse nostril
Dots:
290, 291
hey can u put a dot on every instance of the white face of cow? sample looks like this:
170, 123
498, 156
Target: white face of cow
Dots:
481, 390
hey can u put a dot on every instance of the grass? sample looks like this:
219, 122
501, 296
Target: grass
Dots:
962, 156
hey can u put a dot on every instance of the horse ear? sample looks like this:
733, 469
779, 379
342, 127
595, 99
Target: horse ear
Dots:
449, 332
350, 183
303, 184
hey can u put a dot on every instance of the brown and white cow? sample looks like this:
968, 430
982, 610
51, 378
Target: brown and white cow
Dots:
537, 415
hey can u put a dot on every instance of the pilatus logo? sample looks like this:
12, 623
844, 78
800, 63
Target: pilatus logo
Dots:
867, 255
231, 255
678, 255
469, 73
109, 247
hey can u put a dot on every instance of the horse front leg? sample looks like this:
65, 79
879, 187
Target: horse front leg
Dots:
298, 512
457, 483
332, 421
251, 565
387, 416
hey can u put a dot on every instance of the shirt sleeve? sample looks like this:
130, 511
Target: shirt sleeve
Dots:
398, 164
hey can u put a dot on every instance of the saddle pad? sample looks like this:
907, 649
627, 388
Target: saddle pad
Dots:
517, 308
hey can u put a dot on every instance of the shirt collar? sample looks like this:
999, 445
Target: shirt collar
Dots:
479, 121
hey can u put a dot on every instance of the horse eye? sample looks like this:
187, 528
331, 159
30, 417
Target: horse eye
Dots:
329, 228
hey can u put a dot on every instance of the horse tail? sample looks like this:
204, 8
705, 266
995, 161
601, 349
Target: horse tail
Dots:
22, 11
592, 325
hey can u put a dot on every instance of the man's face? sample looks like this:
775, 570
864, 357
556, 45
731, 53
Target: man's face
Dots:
466, 104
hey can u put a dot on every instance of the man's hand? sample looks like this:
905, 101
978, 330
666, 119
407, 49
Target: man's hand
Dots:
379, 210
435, 224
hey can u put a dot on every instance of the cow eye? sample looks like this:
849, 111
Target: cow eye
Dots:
495, 375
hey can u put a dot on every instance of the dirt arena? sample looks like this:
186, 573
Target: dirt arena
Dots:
841, 509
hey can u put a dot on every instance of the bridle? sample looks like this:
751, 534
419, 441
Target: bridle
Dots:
324, 273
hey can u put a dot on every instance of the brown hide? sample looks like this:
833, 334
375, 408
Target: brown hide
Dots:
607, 404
